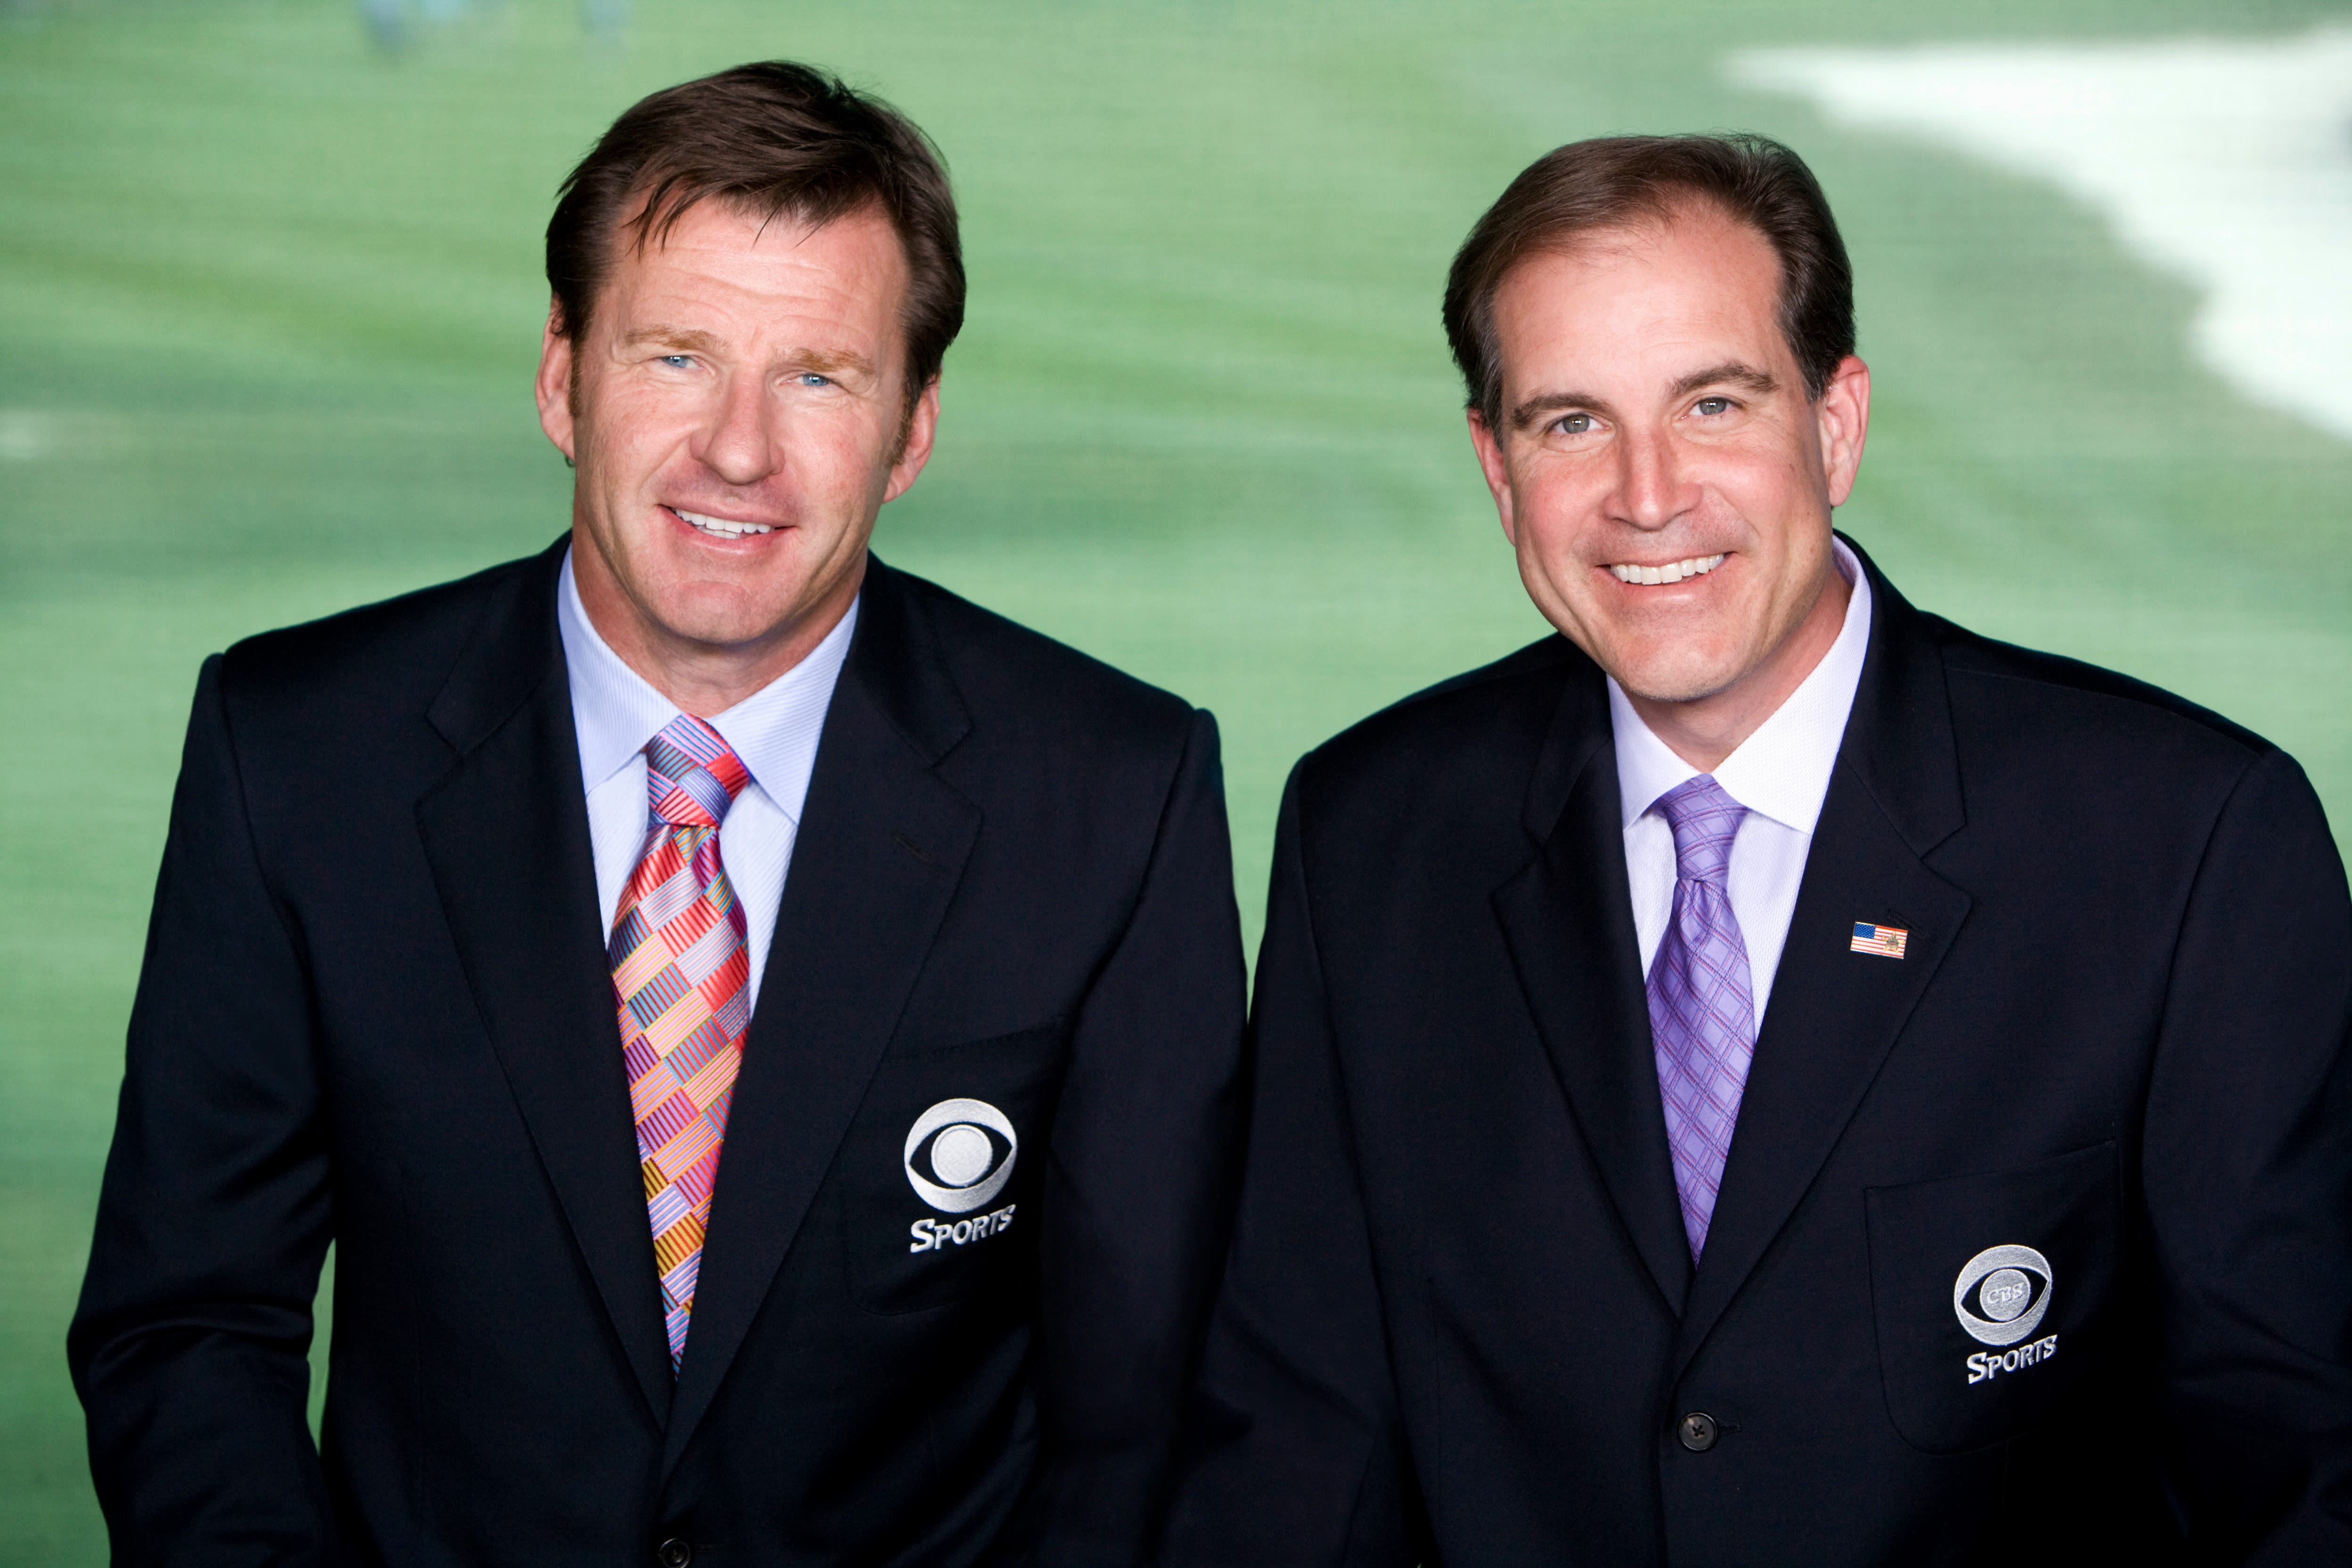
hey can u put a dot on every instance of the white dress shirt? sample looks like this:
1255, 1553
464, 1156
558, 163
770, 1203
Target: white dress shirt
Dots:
1780, 773
773, 731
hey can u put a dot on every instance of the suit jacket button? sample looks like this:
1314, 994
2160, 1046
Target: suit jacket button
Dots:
1696, 1431
673, 1553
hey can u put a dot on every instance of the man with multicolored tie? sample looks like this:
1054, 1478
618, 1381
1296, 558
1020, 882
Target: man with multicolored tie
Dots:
761, 1033
1766, 1077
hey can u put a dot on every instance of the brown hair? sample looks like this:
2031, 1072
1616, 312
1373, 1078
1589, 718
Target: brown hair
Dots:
772, 139
1613, 181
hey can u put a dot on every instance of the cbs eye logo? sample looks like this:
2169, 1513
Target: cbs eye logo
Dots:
960, 1154
2003, 1294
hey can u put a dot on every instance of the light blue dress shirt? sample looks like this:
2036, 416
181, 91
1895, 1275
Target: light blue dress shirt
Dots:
775, 731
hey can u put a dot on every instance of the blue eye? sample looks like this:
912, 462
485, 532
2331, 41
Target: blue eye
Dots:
1574, 424
1712, 405
811, 378
678, 361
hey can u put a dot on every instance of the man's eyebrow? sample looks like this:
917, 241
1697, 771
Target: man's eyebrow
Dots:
831, 360
693, 340
1535, 408
1731, 372
670, 337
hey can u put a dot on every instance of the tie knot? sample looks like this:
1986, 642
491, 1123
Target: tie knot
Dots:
691, 775
1706, 820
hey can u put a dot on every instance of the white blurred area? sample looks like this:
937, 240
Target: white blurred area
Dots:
2227, 163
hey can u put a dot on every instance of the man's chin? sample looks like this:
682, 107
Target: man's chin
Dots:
1665, 653
718, 617
721, 635
1673, 680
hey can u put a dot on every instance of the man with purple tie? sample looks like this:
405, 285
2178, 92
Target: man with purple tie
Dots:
1765, 1076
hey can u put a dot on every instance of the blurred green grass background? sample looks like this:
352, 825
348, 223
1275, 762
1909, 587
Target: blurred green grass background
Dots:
269, 300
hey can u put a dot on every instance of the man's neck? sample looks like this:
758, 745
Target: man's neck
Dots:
707, 679
1705, 729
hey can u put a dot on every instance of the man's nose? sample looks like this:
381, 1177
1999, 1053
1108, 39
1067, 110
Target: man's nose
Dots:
1651, 490
738, 444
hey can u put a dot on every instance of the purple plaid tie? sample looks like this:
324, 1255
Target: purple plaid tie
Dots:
1702, 1001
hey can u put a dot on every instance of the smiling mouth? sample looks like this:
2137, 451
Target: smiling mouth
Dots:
721, 527
1672, 571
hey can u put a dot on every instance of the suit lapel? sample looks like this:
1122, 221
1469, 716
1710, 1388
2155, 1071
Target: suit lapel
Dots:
1568, 918
506, 832
1894, 795
881, 847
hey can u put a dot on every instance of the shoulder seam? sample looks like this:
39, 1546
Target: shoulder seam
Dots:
2193, 714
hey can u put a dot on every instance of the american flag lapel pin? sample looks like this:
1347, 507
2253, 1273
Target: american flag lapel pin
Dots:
1886, 942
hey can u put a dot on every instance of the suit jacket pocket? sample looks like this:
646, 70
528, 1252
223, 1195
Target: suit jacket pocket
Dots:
935, 1175
1990, 1292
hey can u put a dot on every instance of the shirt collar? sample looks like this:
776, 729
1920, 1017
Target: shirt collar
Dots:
1783, 769
774, 731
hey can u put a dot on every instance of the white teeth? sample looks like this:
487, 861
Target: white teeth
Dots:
1673, 572
722, 528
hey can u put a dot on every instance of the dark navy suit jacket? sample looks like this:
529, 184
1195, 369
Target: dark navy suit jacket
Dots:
1461, 1323
375, 1010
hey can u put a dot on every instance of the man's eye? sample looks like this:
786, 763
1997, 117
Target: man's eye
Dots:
677, 362
1574, 424
1710, 406
811, 378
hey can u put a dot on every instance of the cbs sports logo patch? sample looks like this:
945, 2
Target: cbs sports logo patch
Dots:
2000, 1296
960, 1154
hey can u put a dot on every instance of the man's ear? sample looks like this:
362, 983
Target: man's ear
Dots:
1498, 476
552, 385
915, 442
1843, 418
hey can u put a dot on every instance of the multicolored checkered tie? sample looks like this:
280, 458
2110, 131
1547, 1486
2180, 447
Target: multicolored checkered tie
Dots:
1701, 999
681, 974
